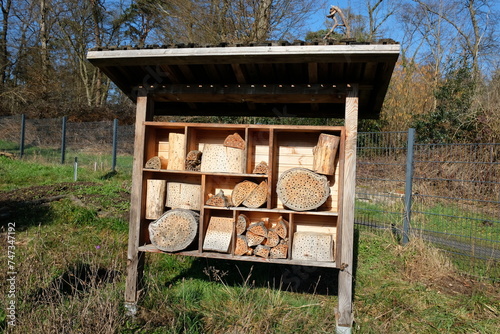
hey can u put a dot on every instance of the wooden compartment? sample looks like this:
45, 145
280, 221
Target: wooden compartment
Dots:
281, 148
317, 226
158, 144
294, 149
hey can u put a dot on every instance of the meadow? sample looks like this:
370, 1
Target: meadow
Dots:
70, 260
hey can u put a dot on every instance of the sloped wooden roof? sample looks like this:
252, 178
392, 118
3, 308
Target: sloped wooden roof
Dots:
274, 79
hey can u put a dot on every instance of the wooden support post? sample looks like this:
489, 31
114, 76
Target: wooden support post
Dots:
144, 112
344, 311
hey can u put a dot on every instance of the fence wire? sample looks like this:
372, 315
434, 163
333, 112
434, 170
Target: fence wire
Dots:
455, 202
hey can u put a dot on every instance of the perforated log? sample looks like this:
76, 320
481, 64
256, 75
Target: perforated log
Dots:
272, 239
257, 197
219, 234
177, 151
235, 141
153, 163
312, 246
262, 251
242, 223
324, 154
222, 159
258, 228
241, 191
155, 198
219, 200
183, 195
241, 245
261, 168
175, 230
281, 227
279, 252
254, 239
301, 189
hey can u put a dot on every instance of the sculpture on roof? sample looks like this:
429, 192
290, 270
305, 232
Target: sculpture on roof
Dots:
334, 13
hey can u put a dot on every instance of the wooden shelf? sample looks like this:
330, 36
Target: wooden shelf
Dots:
187, 172
285, 211
149, 248
281, 147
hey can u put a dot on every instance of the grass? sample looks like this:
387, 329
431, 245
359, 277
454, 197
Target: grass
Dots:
71, 258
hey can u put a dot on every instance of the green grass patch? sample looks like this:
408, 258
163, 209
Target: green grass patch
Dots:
71, 263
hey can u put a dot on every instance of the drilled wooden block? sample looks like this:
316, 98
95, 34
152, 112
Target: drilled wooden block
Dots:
219, 234
155, 198
301, 189
312, 246
183, 195
222, 159
177, 151
175, 230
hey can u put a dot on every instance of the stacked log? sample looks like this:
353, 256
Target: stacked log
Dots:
262, 238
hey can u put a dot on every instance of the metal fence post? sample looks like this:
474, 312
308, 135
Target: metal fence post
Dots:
115, 143
21, 142
408, 185
63, 139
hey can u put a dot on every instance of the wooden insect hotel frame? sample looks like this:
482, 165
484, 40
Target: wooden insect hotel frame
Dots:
261, 193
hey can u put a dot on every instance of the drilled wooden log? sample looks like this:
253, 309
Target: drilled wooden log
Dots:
254, 239
301, 189
183, 195
235, 141
261, 168
312, 246
219, 200
258, 228
219, 234
241, 191
177, 151
257, 197
175, 230
262, 251
272, 239
281, 227
279, 252
155, 198
153, 163
324, 154
242, 223
241, 245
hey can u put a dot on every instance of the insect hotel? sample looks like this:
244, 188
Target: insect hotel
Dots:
246, 192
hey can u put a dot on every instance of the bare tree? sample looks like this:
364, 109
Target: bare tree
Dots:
4, 54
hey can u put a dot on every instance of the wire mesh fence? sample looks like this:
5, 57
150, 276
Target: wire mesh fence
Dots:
454, 203
53, 140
